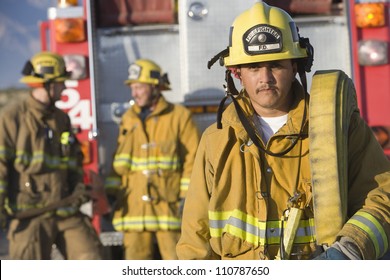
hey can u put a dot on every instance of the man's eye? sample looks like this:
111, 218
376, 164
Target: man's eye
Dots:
276, 65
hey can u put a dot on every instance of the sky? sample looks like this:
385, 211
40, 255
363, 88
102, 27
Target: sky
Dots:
19, 36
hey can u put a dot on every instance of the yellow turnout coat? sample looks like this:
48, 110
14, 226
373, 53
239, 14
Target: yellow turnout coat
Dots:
238, 194
154, 160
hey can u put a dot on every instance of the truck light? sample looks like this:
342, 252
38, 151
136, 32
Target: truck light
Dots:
86, 150
372, 52
68, 21
67, 3
197, 11
69, 30
76, 64
370, 15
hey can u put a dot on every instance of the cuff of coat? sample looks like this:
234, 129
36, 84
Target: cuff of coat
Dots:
112, 185
368, 234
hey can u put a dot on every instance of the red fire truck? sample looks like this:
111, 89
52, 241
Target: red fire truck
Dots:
100, 38
369, 35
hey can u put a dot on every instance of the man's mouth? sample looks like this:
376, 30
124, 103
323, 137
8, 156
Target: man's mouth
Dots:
260, 90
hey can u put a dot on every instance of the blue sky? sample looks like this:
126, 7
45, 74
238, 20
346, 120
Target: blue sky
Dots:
19, 36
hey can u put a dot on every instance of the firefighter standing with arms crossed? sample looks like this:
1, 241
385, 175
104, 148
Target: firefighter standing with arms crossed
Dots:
256, 189
41, 176
156, 147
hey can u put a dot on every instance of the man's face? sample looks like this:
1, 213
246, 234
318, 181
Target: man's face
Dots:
268, 85
142, 94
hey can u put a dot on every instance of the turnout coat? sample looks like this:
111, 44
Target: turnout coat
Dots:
40, 158
238, 194
154, 160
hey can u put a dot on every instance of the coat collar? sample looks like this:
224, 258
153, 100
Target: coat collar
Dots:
295, 114
161, 106
38, 107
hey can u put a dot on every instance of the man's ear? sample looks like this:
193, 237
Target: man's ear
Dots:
295, 68
155, 90
239, 73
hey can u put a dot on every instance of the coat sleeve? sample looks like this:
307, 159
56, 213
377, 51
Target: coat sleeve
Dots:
8, 131
368, 192
189, 140
113, 180
76, 173
194, 243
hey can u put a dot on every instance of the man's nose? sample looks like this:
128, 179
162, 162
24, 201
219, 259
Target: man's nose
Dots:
134, 92
266, 75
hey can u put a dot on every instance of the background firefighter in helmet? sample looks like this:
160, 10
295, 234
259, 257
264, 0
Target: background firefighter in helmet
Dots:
40, 167
154, 157
252, 170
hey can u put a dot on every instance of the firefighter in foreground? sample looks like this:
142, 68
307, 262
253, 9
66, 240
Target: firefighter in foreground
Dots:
41, 178
252, 193
156, 148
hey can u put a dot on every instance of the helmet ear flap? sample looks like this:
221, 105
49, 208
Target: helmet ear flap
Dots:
308, 61
28, 69
164, 80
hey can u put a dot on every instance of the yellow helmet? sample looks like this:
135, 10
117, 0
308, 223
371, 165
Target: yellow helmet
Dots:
44, 67
263, 33
147, 71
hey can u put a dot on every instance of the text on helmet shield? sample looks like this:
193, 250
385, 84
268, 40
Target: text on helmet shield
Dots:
262, 38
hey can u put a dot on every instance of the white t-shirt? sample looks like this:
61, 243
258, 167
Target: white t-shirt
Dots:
269, 126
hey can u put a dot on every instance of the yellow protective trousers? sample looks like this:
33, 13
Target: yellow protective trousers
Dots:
142, 245
32, 239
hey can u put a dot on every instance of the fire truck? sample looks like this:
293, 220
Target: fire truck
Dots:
100, 38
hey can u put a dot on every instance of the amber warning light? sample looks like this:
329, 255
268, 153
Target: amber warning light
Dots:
69, 30
67, 3
370, 15
69, 23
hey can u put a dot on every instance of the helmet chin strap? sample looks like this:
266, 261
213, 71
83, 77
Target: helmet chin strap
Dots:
232, 92
48, 89
154, 98
155, 92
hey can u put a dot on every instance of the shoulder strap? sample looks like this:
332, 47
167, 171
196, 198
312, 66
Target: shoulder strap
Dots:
332, 102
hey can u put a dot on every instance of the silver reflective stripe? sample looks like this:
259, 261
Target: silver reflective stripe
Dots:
374, 230
256, 232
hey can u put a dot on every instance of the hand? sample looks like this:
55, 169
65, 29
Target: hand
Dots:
3, 218
111, 199
331, 254
82, 195
3, 213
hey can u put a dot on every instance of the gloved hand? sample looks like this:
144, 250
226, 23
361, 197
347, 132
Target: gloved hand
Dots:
3, 213
345, 246
331, 254
3, 219
111, 199
82, 195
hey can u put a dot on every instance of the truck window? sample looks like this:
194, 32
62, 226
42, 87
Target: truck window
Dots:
308, 7
135, 12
